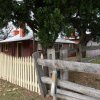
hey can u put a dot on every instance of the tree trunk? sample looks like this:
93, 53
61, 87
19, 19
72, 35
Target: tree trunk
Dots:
84, 38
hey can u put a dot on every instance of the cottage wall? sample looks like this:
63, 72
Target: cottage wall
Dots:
93, 53
20, 49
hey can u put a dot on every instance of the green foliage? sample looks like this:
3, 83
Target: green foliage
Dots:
68, 29
5, 12
50, 24
83, 15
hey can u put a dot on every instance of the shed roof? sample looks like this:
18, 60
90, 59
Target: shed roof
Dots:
62, 40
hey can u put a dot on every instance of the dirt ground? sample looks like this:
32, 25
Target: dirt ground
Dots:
85, 79
10, 91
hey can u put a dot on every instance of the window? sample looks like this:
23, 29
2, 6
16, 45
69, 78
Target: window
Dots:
57, 46
19, 49
6, 47
2, 47
71, 46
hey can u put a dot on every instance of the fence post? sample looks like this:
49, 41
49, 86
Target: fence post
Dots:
54, 84
80, 52
64, 56
50, 55
40, 73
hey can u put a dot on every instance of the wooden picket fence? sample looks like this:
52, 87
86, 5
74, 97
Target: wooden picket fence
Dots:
20, 71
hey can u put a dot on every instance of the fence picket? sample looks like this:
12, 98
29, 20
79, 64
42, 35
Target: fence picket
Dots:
23, 72
30, 72
33, 76
7, 68
27, 72
19, 72
4, 69
10, 68
0, 66
13, 72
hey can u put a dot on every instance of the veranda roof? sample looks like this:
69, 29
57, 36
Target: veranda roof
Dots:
61, 40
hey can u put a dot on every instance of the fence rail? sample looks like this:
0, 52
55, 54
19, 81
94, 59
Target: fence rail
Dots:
90, 48
68, 90
71, 65
20, 71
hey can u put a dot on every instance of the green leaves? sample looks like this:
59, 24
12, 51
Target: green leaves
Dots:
50, 22
5, 12
49, 27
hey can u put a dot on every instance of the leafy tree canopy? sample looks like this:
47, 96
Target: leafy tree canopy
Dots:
84, 15
48, 17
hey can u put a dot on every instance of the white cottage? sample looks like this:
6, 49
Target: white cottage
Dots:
93, 53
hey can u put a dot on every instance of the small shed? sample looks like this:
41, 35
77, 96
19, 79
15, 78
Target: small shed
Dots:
64, 45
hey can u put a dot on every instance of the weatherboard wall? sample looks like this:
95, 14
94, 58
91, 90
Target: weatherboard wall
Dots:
19, 48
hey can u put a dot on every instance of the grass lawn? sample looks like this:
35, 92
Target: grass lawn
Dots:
10, 91
92, 80
97, 61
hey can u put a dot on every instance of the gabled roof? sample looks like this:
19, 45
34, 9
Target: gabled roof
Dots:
17, 38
